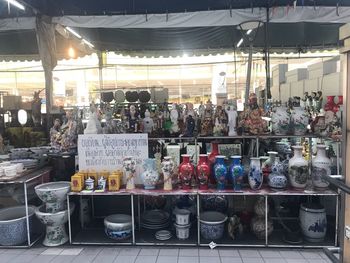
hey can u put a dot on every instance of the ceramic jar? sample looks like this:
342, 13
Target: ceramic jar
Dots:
330, 104
186, 172
150, 175
299, 120
258, 227
267, 165
277, 179
313, 222
236, 173
321, 166
129, 170
298, 169
220, 172
203, 171
211, 158
255, 177
168, 171
280, 119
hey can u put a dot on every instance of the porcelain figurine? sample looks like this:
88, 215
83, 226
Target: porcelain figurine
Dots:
298, 169
207, 120
148, 124
168, 171
174, 116
133, 119
255, 177
68, 136
190, 126
93, 126
186, 172
313, 222
220, 118
232, 120
280, 119
235, 227
299, 121
277, 179
220, 172
110, 126
203, 171
55, 133
189, 112
150, 175
129, 170
236, 172
321, 166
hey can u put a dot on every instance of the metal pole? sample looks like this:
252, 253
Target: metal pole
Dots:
267, 55
27, 212
132, 219
198, 220
249, 72
69, 223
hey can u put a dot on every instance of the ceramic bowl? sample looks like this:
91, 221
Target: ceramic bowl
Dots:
53, 219
53, 192
118, 222
13, 225
212, 225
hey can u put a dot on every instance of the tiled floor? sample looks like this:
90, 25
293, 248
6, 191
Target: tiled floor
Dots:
101, 254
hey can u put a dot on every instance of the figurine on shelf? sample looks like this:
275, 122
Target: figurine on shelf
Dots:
109, 128
93, 126
189, 112
68, 136
207, 120
148, 124
319, 101
232, 120
190, 126
133, 119
220, 117
36, 108
251, 119
174, 116
55, 133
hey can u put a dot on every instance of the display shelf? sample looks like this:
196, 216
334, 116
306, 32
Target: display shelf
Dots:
246, 240
29, 176
146, 237
120, 192
157, 192
96, 236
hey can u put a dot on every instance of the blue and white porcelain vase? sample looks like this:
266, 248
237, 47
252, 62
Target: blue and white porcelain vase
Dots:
255, 177
277, 179
313, 222
220, 172
236, 173
150, 176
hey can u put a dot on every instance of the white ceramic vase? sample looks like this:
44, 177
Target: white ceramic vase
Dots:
255, 177
321, 166
168, 169
300, 121
298, 169
313, 222
129, 170
150, 175
280, 120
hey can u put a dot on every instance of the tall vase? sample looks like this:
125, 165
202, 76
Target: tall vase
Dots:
277, 180
168, 171
129, 170
300, 121
186, 172
211, 158
220, 172
255, 177
203, 171
321, 166
236, 172
280, 120
150, 175
329, 106
267, 165
298, 169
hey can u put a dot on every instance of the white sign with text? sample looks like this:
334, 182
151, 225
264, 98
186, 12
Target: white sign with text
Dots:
106, 151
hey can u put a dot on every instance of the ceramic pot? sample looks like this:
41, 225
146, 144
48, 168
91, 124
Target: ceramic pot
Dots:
280, 119
236, 173
313, 222
212, 225
300, 121
182, 217
186, 172
321, 166
220, 172
129, 170
168, 171
118, 226
150, 175
203, 171
330, 105
13, 225
182, 231
277, 179
255, 177
298, 169
211, 158
258, 227
259, 207
266, 167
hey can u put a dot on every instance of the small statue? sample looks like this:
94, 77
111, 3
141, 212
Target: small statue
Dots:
148, 123
190, 126
110, 126
220, 116
201, 110
232, 120
93, 126
133, 119
174, 115
55, 133
68, 134
319, 101
36, 108
207, 120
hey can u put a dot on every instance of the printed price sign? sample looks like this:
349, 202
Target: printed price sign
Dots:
107, 151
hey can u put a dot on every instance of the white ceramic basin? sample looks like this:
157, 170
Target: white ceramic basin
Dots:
54, 192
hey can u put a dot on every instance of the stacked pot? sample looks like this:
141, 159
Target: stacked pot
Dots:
182, 224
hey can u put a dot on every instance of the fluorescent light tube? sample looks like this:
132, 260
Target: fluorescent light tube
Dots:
240, 42
88, 43
73, 32
16, 4
249, 31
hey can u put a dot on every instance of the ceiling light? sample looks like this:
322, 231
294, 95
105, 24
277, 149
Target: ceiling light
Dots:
71, 52
16, 4
240, 42
249, 31
73, 32
88, 43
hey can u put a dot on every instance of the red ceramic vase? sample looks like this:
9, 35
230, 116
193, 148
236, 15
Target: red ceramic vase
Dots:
211, 158
340, 100
329, 106
186, 172
203, 171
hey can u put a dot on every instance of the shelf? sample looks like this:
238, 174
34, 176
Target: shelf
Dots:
29, 176
146, 237
120, 192
247, 239
96, 236
157, 192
